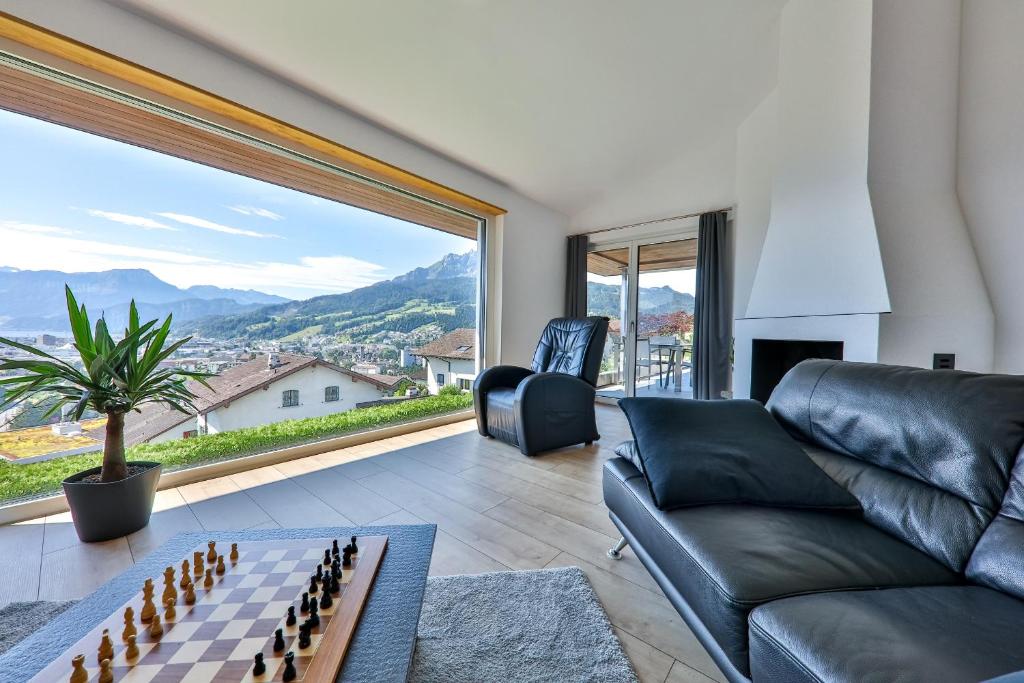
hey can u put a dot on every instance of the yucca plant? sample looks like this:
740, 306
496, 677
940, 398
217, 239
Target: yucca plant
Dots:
117, 376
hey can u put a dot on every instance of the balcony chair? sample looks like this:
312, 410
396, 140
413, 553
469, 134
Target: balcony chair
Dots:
550, 405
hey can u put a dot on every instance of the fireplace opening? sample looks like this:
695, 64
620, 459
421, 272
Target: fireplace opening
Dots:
773, 358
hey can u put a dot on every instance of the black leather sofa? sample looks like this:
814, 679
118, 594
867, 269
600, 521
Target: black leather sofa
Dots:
551, 404
926, 584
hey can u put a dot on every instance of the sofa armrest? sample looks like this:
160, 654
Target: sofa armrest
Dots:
507, 376
551, 407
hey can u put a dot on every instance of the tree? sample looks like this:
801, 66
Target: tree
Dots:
117, 377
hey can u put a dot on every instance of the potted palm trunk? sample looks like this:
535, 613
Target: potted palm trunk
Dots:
116, 377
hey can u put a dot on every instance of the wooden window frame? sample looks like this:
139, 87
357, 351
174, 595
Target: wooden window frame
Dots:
289, 393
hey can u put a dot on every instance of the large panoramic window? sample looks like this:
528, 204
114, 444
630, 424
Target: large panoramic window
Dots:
270, 283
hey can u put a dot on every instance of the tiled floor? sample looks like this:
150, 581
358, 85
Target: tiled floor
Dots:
494, 508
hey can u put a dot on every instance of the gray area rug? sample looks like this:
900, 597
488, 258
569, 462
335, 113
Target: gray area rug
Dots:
544, 625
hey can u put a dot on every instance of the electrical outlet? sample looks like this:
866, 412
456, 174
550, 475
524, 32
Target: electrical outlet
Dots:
944, 361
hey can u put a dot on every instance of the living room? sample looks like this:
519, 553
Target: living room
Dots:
825, 197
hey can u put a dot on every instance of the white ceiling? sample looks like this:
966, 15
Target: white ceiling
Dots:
562, 100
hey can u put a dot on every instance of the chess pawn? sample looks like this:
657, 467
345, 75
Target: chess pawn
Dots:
106, 649
259, 668
169, 612
290, 619
278, 640
190, 594
314, 615
169, 590
106, 675
313, 588
220, 565
304, 607
184, 575
234, 552
156, 629
132, 651
78, 672
208, 581
327, 558
129, 624
325, 599
197, 563
355, 548
211, 554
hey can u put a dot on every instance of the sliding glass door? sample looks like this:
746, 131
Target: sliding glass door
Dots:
646, 288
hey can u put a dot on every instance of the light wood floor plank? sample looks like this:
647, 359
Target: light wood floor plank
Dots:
220, 504
346, 495
73, 572
171, 515
651, 665
590, 515
494, 539
469, 494
572, 538
21, 552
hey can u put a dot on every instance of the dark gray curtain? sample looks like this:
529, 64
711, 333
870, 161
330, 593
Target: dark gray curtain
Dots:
712, 335
576, 278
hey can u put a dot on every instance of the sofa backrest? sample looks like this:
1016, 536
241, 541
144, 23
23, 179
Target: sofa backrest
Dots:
572, 346
927, 452
998, 559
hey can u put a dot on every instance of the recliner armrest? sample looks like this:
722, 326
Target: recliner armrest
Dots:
551, 402
508, 376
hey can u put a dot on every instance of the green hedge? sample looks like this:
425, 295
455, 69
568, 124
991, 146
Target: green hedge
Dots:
42, 478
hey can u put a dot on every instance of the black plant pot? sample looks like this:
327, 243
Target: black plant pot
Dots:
102, 511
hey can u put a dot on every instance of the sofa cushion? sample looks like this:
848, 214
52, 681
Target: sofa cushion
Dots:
726, 560
627, 450
951, 634
501, 415
945, 434
706, 452
998, 559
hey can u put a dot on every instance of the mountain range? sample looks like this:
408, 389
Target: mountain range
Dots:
417, 306
34, 299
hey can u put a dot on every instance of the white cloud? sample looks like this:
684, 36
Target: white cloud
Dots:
34, 227
256, 211
127, 219
210, 225
309, 276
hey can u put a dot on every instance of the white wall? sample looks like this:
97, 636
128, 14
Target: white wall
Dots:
453, 371
990, 173
755, 166
939, 301
821, 253
532, 276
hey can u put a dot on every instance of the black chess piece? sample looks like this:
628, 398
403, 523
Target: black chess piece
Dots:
290, 619
289, 667
259, 668
335, 586
325, 598
327, 557
313, 588
314, 614
355, 548
346, 559
304, 607
278, 640
335, 550
304, 638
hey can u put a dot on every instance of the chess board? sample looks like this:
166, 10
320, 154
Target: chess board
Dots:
215, 639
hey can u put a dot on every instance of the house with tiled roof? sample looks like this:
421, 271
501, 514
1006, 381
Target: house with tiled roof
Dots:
270, 388
450, 359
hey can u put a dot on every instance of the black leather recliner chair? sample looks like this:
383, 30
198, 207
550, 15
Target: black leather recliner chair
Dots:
550, 405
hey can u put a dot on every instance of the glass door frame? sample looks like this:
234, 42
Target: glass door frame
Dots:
631, 298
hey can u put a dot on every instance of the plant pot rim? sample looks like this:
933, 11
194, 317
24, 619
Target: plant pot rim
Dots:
76, 479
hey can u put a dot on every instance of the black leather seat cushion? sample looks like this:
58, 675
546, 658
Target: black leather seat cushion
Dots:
501, 414
929, 634
725, 560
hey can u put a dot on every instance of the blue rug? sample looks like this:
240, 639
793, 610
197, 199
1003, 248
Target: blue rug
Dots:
381, 650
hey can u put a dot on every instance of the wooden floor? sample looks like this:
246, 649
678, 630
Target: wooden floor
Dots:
494, 509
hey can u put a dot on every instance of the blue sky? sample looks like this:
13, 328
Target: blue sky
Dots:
75, 202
